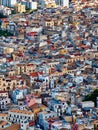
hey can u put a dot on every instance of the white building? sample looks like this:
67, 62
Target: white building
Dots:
58, 125
3, 93
9, 3
62, 3
31, 5
46, 114
3, 2
6, 11
87, 104
4, 101
21, 116
57, 106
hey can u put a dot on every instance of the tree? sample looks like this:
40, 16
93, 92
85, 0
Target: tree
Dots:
2, 16
92, 96
5, 33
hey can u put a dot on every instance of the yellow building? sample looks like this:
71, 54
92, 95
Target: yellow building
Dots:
36, 108
51, 5
8, 50
4, 24
95, 125
49, 22
63, 51
20, 8
70, 118
25, 68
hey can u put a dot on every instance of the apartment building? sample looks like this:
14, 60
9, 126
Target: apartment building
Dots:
25, 68
20, 8
4, 101
22, 117
9, 3
11, 82
62, 3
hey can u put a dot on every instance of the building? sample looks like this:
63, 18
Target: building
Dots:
25, 68
47, 4
11, 82
4, 101
13, 126
87, 104
31, 5
64, 3
95, 124
18, 94
3, 117
20, 8
45, 115
57, 106
22, 117
9, 3
3, 93
5, 10
3, 124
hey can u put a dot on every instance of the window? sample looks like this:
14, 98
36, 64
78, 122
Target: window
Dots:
2, 103
20, 117
8, 84
4, 84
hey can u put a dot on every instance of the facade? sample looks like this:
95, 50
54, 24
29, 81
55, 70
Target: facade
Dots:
3, 117
20, 8
3, 93
9, 3
4, 101
64, 3
31, 5
57, 106
49, 66
45, 115
87, 104
48, 4
20, 116
25, 68
5, 10
11, 82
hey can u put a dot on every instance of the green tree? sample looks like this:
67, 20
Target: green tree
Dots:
92, 96
5, 33
2, 16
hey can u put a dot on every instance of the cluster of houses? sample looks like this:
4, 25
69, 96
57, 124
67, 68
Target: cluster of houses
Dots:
48, 67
